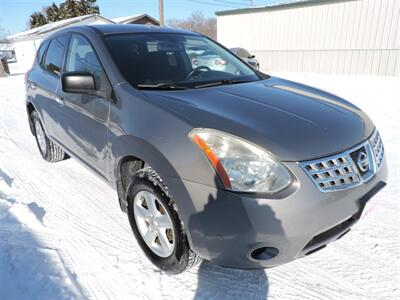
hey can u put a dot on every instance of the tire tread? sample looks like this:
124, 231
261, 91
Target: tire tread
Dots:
54, 153
192, 258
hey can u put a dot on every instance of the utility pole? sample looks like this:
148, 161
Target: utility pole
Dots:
161, 9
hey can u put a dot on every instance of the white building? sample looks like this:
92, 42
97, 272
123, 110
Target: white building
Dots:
323, 36
27, 42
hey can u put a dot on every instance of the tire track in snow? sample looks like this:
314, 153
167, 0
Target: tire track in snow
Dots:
24, 248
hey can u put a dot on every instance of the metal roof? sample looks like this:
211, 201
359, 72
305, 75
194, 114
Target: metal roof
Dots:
275, 6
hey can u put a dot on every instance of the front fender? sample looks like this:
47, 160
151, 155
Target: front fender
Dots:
145, 151
131, 146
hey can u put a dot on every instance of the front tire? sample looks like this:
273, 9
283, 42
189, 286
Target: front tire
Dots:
47, 148
155, 222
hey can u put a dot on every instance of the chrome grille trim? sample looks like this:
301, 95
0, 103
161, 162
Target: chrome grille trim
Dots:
340, 172
377, 146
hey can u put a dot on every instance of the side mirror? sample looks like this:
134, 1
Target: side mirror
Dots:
78, 83
252, 56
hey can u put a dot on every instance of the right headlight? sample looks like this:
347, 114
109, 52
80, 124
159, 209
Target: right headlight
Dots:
241, 165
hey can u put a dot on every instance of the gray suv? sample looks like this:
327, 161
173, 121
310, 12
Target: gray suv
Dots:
229, 165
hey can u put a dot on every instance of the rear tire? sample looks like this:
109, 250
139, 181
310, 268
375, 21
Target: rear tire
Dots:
47, 148
180, 257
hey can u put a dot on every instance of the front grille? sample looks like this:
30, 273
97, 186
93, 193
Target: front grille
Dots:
347, 169
377, 146
332, 173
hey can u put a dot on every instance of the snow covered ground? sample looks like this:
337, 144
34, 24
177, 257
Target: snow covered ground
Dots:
62, 235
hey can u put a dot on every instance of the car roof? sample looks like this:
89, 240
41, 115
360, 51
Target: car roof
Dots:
109, 29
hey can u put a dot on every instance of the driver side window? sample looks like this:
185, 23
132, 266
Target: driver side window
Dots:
82, 58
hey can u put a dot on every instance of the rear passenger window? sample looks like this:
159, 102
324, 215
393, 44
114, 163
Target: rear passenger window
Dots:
54, 55
41, 52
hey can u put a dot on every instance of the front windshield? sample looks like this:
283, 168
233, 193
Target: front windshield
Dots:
171, 59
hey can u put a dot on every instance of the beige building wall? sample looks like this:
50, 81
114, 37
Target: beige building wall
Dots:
327, 36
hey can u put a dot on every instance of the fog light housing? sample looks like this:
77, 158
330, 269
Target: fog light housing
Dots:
263, 253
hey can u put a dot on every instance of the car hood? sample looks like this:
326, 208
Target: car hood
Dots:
293, 121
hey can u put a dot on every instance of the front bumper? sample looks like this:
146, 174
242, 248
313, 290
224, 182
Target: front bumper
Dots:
224, 226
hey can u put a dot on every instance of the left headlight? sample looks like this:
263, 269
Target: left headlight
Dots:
241, 165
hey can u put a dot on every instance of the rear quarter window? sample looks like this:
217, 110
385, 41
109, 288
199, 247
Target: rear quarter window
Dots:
41, 52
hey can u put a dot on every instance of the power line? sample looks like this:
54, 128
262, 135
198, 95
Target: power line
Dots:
209, 3
229, 4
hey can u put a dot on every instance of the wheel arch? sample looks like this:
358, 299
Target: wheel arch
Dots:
130, 154
127, 166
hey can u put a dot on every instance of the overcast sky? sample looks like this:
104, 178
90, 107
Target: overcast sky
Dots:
14, 14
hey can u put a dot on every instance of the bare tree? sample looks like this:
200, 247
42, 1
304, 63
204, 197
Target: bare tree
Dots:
197, 22
3, 33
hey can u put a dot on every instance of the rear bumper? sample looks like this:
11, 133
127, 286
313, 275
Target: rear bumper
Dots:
224, 227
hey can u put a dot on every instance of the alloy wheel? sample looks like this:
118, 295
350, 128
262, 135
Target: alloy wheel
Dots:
154, 224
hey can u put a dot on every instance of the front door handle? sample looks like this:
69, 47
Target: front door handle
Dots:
60, 100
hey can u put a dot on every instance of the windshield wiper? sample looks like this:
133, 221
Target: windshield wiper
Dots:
162, 86
222, 82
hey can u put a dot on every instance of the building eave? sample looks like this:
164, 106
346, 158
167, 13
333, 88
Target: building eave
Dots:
128, 19
273, 6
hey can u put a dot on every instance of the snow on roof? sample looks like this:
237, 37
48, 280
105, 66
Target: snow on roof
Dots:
121, 20
46, 29
130, 19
